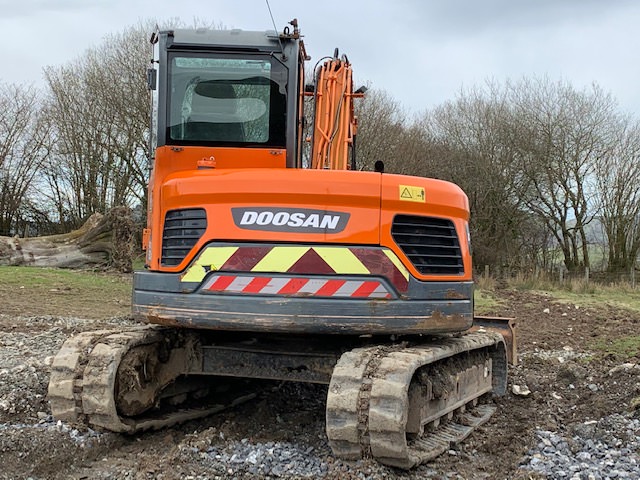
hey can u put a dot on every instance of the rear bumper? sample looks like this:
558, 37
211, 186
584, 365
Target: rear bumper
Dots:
160, 298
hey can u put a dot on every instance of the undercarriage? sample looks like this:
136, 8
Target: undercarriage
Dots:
401, 402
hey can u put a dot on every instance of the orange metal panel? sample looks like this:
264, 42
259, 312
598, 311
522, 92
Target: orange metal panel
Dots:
401, 195
372, 200
218, 191
183, 162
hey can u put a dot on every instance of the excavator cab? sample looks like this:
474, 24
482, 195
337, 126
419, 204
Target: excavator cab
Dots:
228, 89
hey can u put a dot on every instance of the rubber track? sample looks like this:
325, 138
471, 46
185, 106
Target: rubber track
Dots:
83, 375
367, 403
65, 382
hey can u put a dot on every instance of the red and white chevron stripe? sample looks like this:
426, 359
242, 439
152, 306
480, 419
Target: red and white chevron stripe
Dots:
296, 286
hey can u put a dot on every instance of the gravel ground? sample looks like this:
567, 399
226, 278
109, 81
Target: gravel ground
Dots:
575, 415
599, 450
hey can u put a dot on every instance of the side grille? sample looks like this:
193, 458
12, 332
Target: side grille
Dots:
182, 230
431, 244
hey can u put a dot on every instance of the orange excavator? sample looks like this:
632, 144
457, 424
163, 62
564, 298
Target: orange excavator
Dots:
269, 259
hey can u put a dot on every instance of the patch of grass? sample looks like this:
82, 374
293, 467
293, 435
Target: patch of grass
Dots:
597, 296
485, 283
138, 262
484, 301
531, 282
623, 348
51, 291
581, 292
38, 277
580, 286
586, 359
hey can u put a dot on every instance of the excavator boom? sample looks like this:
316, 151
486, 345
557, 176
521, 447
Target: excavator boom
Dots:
335, 125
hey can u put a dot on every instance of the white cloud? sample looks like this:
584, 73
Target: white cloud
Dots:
419, 52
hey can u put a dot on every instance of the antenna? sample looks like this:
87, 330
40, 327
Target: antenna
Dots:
275, 28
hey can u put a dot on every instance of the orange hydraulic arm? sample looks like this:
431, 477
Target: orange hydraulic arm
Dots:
335, 123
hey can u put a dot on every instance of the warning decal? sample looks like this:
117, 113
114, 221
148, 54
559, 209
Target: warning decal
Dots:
300, 262
411, 193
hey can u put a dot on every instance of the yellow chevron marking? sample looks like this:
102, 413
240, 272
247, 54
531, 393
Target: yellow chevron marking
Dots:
396, 261
280, 259
212, 257
342, 260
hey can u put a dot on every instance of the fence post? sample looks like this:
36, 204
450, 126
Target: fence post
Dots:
561, 271
586, 275
486, 271
633, 276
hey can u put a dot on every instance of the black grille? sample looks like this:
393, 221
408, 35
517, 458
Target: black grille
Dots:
431, 244
182, 230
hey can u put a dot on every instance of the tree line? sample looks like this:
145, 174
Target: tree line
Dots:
78, 146
550, 170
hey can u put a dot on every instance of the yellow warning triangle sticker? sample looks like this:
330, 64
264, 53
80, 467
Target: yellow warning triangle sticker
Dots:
411, 193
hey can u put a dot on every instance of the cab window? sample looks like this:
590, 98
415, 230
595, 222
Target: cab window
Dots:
224, 100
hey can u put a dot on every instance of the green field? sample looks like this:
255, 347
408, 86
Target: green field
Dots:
63, 292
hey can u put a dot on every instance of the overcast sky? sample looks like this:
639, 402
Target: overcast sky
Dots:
422, 52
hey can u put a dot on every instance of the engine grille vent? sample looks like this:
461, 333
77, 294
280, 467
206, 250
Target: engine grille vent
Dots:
431, 244
182, 230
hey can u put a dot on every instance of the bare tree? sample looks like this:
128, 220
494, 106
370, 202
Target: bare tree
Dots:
539, 160
474, 151
126, 91
618, 176
381, 122
23, 150
526, 154
559, 136
99, 107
